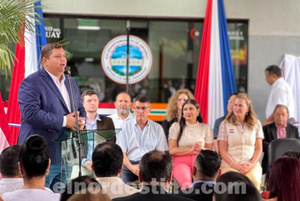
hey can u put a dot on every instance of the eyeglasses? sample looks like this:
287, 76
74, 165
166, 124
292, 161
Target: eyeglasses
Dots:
141, 108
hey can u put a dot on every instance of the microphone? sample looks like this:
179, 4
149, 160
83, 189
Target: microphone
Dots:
68, 69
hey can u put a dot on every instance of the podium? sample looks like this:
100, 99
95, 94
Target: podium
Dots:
70, 153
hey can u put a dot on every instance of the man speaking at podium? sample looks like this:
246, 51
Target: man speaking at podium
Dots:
45, 102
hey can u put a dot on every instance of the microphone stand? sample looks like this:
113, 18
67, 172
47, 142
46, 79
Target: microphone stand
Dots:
77, 131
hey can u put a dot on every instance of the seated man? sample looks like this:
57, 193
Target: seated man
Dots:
205, 172
276, 130
139, 136
155, 175
11, 177
93, 121
107, 164
123, 106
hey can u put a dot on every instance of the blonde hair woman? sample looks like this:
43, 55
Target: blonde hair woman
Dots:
240, 140
173, 113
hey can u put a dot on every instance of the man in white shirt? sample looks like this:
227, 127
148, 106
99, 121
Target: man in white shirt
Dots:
281, 93
9, 168
139, 136
107, 164
122, 104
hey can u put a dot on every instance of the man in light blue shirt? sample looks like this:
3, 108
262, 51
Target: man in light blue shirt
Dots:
139, 136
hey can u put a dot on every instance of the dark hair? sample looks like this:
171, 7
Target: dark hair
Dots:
142, 98
34, 156
107, 159
280, 106
238, 187
88, 92
78, 184
209, 163
182, 123
156, 165
273, 69
9, 159
284, 180
291, 154
47, 49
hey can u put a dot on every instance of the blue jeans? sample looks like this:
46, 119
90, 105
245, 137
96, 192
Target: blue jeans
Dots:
127, 176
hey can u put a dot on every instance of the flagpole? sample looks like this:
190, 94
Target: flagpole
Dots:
127, 56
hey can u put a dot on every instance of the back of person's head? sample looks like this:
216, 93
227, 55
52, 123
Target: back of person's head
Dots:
81, 183
155, 166
291, 154
34, 156
273, 69
142, 99
107, 159
9, 159
208, 163
235, 186
284, 182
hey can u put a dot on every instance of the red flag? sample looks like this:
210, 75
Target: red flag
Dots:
13, 111
4, 129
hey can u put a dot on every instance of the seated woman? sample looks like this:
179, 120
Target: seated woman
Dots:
34, 166
240, 140
284, 183
173, 113
186, 140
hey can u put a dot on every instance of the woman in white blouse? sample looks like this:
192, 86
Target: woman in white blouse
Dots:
240, 140
186, 139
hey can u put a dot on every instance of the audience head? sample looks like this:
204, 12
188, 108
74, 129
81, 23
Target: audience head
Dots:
284, 182
235, 186
281, 115
107, 159
123, 103
242, 108
90, 100
34, 157
156, 166
9, 159
272, 73
231, 102
207, 165
176, 101
83, 184
141, 108
291, 154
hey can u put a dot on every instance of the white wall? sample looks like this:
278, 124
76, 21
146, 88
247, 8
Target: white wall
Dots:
273, 27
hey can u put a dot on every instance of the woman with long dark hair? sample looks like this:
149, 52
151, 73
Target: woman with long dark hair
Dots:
284, 180
34, 163
186, 139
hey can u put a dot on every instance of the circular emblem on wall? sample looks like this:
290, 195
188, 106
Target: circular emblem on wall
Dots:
113, 59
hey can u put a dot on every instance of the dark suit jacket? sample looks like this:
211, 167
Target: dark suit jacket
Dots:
197, 193
106, 123
151, 193
270, 133
43, 107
